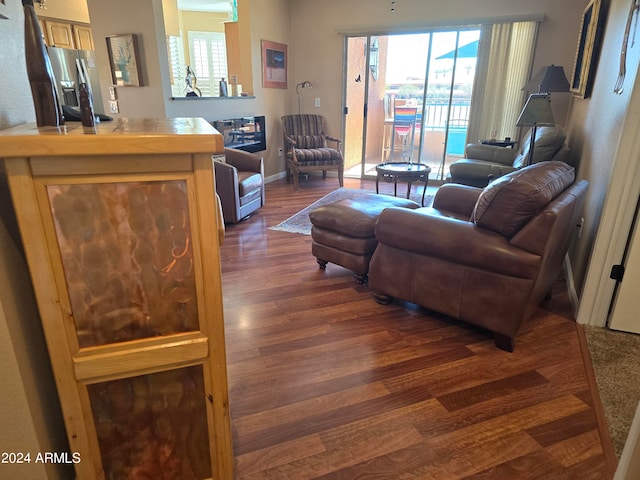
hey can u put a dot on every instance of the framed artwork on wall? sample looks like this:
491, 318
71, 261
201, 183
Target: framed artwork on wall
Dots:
586, 60
124, 60
274, 65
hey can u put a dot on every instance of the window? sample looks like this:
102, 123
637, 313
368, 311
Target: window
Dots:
177, 68
208, 60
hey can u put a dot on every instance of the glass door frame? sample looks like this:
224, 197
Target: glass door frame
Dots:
363, 130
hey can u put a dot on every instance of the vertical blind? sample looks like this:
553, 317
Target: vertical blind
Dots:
177, 69
505, 54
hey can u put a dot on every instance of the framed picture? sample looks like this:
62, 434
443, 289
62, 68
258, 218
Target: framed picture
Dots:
274, 65
586, 61
124, 60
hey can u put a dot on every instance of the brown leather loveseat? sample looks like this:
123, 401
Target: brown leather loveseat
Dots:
485, 256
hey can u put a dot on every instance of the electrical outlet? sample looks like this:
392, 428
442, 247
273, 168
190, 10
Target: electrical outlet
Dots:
113, 106
280, 152
317, 102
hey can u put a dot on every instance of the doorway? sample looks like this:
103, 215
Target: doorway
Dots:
431, 74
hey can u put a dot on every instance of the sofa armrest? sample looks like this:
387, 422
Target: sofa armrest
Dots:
458, 199
243, 161
333, 139
490, 153
221, 227
227, 189
477, 172
424, 232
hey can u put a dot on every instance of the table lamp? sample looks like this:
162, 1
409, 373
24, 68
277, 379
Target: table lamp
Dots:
548, 79
305, 84
537, 111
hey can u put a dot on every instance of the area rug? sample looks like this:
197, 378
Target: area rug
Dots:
616, 365
300, 223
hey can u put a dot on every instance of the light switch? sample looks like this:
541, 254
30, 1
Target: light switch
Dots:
113, 106
317, 101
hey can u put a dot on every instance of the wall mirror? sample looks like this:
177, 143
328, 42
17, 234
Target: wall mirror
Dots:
202, 40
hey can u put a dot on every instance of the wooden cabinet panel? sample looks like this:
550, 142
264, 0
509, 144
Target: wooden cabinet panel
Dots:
60, 34
63, 34
127, 279
83, 37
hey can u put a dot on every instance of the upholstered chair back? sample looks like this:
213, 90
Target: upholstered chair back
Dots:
548, 143
307, 130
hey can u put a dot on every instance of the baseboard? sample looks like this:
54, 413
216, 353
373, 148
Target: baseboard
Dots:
610, 458
273, 178
571, 286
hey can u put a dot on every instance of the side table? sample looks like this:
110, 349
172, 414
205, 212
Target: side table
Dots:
500, 143
403, 171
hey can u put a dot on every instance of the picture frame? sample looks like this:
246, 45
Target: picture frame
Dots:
587, 51
274, 64
124, 60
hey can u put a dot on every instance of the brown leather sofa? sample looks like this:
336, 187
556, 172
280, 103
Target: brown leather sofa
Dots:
485, 256
239, 184
484, 163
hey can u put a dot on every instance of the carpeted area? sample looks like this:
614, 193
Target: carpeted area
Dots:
616, 364
300, 223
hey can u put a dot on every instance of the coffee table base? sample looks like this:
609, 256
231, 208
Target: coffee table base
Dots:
403, 171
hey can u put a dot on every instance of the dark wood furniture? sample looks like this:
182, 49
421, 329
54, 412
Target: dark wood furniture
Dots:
405, 172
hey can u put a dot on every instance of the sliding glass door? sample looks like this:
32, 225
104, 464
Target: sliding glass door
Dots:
426, 77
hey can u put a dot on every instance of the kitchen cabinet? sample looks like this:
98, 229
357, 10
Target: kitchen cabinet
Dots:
121, 230
64, 34
82, 37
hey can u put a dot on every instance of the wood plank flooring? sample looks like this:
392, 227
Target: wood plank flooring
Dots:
325, 383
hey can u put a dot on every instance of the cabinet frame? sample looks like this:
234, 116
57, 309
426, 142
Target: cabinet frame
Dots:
133, 159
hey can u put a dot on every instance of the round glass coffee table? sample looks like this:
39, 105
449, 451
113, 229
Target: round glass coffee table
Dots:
405, 172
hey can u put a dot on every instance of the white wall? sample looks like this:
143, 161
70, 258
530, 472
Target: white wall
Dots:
596, 124
72, 10
611, 148
269, 20
138, 17
316, 48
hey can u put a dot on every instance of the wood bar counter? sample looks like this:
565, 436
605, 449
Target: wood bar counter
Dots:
121, 230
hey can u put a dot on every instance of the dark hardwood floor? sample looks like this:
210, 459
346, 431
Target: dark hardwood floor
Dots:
326, 383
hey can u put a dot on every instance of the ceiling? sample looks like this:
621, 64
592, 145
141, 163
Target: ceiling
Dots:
205, 5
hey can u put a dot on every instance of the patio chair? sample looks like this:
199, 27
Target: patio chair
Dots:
404, 127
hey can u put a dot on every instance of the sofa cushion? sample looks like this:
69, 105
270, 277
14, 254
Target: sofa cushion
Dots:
548, 141
356, 217
248, 182
508, 203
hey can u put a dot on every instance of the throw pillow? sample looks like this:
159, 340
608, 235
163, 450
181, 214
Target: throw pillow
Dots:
508, 203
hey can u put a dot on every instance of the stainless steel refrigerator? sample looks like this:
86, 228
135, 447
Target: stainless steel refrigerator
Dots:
66, 64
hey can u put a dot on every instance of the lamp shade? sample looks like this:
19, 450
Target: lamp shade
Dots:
305, 84
548, 79
537, 111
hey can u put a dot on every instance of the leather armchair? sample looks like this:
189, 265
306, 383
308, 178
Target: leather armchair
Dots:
484, 163
239, 184
485, 256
